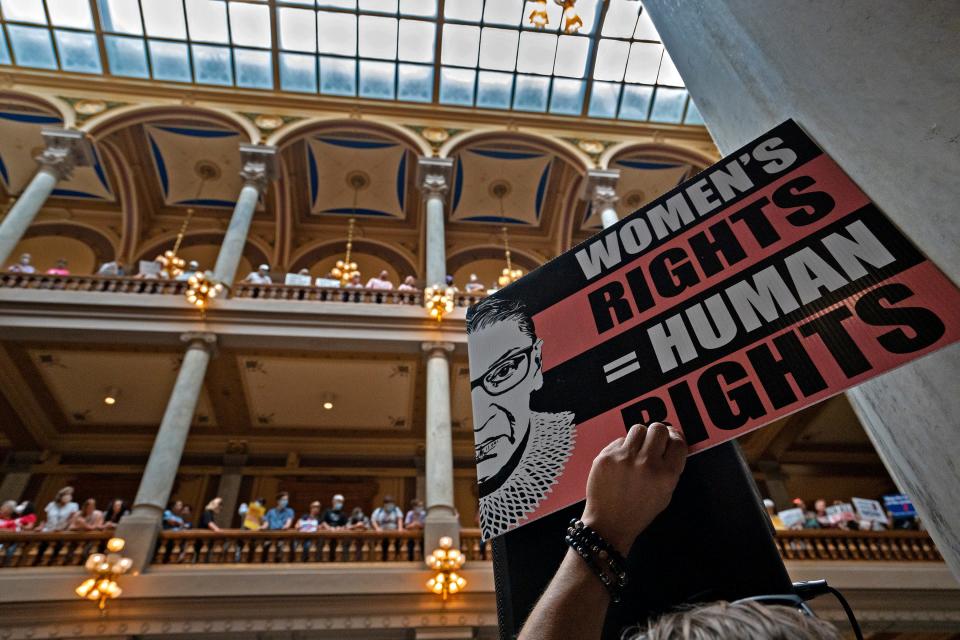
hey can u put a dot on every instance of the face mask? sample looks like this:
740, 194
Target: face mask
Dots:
283, 503
389, 506
337, 506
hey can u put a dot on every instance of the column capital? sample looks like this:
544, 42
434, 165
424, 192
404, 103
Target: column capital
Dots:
433, 175
259, 165
202, 339
438, 348
600, 187
64, 149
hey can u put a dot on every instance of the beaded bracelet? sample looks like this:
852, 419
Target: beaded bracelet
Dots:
605, 561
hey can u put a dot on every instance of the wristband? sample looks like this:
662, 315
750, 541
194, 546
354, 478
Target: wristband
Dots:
605, 561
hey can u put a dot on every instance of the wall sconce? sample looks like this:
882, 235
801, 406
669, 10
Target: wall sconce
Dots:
446, 561
106, 568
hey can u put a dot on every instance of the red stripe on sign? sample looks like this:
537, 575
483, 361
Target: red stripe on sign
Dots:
568, 327
878, 346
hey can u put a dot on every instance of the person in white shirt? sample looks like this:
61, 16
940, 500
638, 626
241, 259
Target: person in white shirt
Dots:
260, 276
24, 266
408, 284
474, 285
60, 510
380, 282
354, 282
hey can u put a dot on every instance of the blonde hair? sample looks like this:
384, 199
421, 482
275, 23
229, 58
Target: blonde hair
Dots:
722, 620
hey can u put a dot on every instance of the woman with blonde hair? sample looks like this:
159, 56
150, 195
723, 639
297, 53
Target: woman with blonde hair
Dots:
210, 512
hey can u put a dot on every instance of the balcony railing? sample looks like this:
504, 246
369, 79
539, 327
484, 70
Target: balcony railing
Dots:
244, 290
61, 549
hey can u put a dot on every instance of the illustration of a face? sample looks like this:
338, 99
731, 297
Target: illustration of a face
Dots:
504, 371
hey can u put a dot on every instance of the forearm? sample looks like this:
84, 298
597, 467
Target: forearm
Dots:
573, 606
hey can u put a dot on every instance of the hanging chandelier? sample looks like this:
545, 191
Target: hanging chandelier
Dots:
446, 561
572, 22
509, 274
106, 569
172, 263
439, 300
201, 289
346, 269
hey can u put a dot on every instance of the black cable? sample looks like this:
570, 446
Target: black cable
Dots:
846, 607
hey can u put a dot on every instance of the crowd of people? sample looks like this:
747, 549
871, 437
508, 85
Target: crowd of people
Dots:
844, 516
61, 514
25, 265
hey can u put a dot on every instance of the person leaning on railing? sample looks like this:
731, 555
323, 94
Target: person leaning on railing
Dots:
630, 483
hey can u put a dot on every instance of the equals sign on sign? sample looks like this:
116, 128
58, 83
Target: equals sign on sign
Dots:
624, 365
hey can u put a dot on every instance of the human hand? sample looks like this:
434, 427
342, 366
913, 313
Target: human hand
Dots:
631, 482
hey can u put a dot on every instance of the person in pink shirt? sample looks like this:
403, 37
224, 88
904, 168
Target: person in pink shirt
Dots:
60, 269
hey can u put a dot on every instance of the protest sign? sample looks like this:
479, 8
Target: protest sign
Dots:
869, 510
900, 506
792, 517
297, 280
765, 284
150, 268
840, 513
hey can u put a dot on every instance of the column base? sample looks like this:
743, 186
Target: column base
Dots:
440, 523
140, 530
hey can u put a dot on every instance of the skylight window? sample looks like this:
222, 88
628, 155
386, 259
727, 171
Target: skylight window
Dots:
473, 53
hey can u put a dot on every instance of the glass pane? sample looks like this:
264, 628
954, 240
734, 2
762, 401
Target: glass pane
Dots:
207, 20
425, 8
461, 44
211, 65
494, 90
24, 11
127, 56
250, 24
169, 61
414, 83
337, 33
309, 3
505, 12
378, 37
377, 79
693, 114
498, 49
417, 40
587, 10
456, 86
636, 102
644, 62
621, 18
338, 76
645, 29
572, 53
531, 93
70, 13
668, 72
120, 16
339, 4
32, 46
554, 15
4, 51
668, 105
164, 19
297, 29
78, 51
465, 10
603, 100
611, 60
254, 68
537, 51
567, 96
298, 72
379, 6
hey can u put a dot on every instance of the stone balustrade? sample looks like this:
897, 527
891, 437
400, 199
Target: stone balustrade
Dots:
247, 290
100, 284
834, 544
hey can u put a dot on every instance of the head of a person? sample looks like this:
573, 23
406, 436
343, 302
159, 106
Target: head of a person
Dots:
315, 508
473, 277
304, 272
505, 370
185, 510
263, 269
769, 505
355, 279
357, 512
117, 505
193, 265
337, 502
26, 508
283, 499
799, 503
175, 506
7, 509
449, 280
89, 506
409, 280
64, 496
389, 503
61, 263
26, 259
416, 505
215, 504
820, 506
384, 275
722, 620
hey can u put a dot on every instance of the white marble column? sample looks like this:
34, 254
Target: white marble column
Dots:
441, 515
141, 527
601, 190
433, 177
874, 90
259, 168
64, 150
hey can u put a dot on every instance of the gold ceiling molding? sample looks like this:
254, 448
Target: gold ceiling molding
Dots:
270, 122
86, 108
593, 147
436, 136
